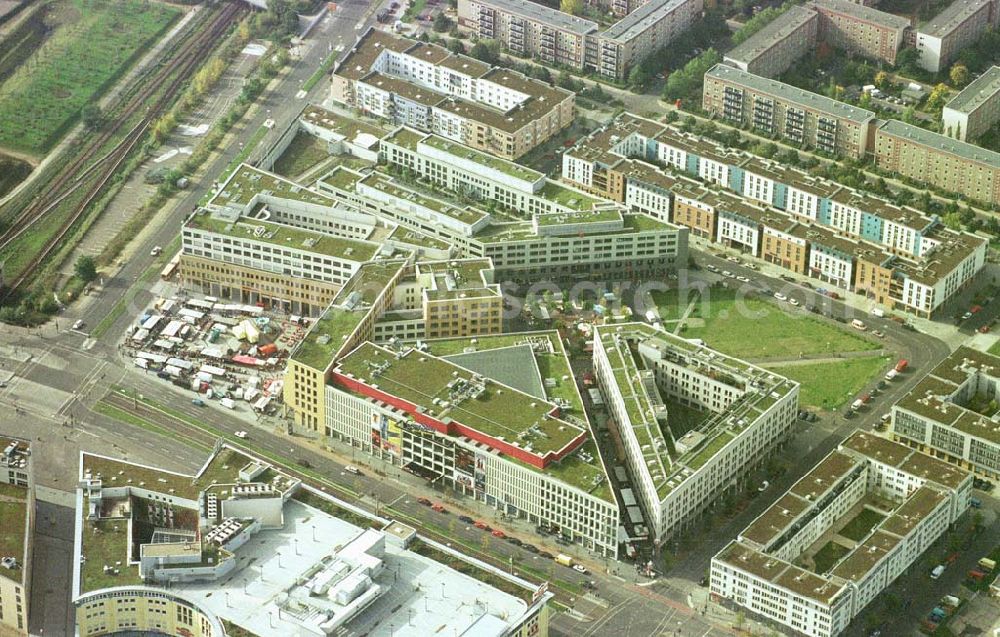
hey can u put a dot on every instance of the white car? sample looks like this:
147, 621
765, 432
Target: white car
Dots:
728, 274
733, 259
780, 296
793, 302
78, 324
743, 279
155, 252
242, 435
711, 268
579, 568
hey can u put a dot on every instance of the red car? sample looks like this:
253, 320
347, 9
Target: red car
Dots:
439, 508
479, 524
500, 534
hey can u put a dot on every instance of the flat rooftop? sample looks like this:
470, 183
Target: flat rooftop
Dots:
777, 30
599, 145
408, 194
247, 181
544, 15
637, 22
466, 153
951, 17
451, 394
349, 128
13, 526
867, 14
977, 92
325, 338
780, 573
791, 94
366, 51
938, 143
283, 235
824, 476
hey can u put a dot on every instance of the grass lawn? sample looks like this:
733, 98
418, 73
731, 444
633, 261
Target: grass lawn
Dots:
303, 153
995, 349
683, 419
861, 524
752, 328
827, 556
670, 304
829, 385
95, 43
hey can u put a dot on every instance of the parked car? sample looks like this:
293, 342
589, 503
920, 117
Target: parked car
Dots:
439, 508
544, 554
242, 435
531, 548
77, 325
479, 524
198, 402
780, 296
155, 252
466, 519
352, 469
424, 501
580, 568
498, 533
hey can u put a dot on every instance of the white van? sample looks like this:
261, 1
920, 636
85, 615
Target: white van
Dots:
859, 325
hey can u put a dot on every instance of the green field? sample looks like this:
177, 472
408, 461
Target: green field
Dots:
827, 556
752, 328
861, 524
12, 172
95, 42
828, 385
303, 153
668, 303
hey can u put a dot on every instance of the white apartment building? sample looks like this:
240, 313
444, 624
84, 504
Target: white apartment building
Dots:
938, 415
881, 503
640, 371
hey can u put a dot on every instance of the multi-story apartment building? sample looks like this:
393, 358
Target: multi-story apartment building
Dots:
747, 413
779, 45
551, 36
17, 509
938, 160
840, 536
427, 87
641, 33
974, 110
861, 30
795, 115
894, 255
958, 25
243, 548
951, 412
528, 28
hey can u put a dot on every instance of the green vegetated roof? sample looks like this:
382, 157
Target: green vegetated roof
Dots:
497, 411
285, 236
13, 521
567, 197
470, 154
223, 469
248, 181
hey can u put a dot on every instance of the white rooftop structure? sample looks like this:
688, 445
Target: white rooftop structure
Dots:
320, 574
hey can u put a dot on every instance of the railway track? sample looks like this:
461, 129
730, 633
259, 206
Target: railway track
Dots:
187, 55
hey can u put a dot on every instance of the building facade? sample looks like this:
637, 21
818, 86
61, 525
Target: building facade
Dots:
860, 29
427, 87
975, 109
795, 115
16, 547
776, 568
779, 45
941, 39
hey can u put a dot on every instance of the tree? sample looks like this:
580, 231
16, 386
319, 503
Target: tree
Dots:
959, 75
572, 7
486, 51
441, 23
638, 76
91, 116
938, 96
882, 80
85, 268
456, 46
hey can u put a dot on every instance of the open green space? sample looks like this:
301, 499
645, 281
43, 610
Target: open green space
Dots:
830, 384
827, 556
304, 152
95, 42
672, 303
861, 524
752, 328
683, 419
12, 172
105, 542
